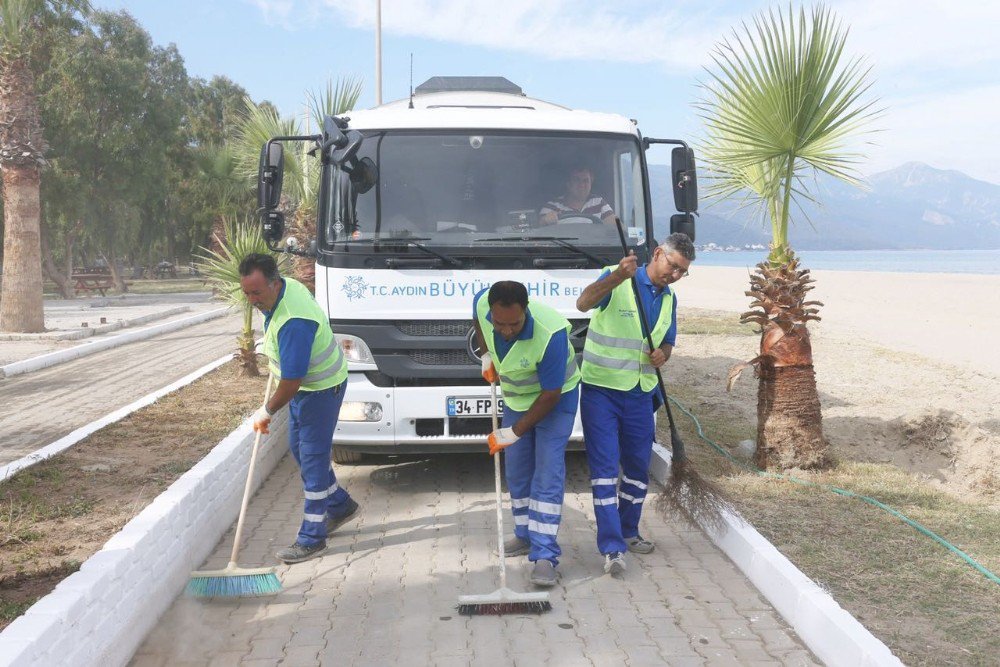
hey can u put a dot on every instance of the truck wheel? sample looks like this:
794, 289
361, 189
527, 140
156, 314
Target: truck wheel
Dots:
341, 455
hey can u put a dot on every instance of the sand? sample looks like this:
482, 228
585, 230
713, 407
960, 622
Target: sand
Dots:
908, 368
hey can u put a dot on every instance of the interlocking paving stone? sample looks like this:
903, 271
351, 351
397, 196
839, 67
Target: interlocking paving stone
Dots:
386, 589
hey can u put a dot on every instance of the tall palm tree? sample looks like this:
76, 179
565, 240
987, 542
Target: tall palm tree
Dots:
22, 157
781, 106
261, 122
220, 265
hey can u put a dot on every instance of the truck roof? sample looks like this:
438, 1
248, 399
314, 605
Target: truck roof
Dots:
485, 110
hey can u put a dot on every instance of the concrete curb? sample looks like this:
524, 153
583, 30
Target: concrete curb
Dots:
101, 614
836, 637
53, 358
79, 434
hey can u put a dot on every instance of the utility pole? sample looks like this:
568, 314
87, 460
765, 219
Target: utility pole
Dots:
378, 52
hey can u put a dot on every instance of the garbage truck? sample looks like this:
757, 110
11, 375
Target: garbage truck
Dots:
427, 200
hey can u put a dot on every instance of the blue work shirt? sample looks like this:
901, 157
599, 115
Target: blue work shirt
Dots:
652, 304
552, 368
295, 341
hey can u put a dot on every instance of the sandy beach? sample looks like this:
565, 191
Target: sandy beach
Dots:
907, 366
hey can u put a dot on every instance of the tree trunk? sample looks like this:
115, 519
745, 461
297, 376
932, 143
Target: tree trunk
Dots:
63, 281
789, 422
21, 307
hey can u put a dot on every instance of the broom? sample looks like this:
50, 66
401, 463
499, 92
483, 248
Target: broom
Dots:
235, 581
688, 493
503, 600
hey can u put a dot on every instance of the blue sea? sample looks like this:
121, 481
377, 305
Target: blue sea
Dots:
901, 261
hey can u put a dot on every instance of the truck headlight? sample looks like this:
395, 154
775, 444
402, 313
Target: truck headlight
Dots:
360, 411
355, 349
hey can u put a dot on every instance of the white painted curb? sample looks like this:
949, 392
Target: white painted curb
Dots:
53, 358
79, 434
101, 614
836, 637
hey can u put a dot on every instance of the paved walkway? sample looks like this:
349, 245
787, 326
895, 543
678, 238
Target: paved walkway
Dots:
385, 591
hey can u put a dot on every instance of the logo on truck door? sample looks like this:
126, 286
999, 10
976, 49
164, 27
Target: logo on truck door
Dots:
354, 287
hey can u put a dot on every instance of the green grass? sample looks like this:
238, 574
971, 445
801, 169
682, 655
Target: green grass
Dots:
926, 603
167, 286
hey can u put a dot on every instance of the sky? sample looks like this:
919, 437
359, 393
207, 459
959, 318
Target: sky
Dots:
935, 63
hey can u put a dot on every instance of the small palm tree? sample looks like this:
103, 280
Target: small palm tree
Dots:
221, 268
780, 108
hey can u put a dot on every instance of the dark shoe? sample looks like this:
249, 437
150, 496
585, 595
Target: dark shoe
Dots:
544, 574
515, 546
346, 513
639, 545
300, 552
614, 563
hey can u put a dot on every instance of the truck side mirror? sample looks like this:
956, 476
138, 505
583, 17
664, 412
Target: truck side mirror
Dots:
270, 172
683, 223
685, 180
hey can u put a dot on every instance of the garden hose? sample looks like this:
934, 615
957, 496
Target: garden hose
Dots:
843, 492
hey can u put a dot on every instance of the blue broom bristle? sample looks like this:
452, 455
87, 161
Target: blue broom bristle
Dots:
237, 585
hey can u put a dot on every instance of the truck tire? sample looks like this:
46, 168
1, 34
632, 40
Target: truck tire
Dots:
341, 455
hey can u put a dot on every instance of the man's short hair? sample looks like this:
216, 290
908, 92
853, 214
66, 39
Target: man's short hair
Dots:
507, 293
260, 262
681, 244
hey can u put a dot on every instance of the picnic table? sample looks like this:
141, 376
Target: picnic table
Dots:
92, 282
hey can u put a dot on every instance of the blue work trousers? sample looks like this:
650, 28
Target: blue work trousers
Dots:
618, 427
312, 418
536, 477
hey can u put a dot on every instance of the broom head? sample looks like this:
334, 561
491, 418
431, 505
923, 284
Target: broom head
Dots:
234, 582
503, 601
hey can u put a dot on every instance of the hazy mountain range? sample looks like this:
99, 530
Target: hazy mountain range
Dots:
912, 206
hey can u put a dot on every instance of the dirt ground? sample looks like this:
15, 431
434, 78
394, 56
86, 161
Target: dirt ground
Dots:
56, 514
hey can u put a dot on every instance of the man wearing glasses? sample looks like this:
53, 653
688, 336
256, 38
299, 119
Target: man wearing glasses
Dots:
618, 395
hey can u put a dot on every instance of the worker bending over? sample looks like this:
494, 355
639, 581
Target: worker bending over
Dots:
620, 394
529, 352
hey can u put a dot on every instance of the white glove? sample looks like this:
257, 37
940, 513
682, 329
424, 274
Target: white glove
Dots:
489, 372
261, 420
500, 438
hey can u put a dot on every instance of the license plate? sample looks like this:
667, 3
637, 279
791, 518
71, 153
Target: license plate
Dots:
472, 406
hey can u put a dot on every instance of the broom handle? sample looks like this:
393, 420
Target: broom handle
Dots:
246, 489
496, 475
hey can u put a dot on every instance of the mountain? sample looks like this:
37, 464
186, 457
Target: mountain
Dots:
911, 206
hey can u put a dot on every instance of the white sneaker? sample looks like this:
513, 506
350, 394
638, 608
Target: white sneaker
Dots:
614, 563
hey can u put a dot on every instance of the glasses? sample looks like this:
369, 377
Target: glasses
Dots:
674, 269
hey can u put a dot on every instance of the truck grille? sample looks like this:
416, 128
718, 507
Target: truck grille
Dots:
441, 357
435, 327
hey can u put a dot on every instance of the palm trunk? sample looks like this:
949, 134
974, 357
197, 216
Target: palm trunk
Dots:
21, 305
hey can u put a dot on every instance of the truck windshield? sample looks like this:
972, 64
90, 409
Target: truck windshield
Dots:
477, 187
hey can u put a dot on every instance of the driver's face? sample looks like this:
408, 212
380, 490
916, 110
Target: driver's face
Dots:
579, 183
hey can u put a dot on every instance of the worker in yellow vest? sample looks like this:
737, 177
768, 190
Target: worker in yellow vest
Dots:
304, 357
620, 391
528, 351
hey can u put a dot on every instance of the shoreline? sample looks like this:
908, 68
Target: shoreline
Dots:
951, 318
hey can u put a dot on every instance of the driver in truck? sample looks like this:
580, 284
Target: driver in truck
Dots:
577, 200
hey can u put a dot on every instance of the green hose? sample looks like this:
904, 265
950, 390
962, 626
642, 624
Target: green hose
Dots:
843, 492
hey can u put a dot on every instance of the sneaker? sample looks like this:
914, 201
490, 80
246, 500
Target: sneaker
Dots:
639, 545
544, 574
614, 563
515, 546
300, 552
348, 510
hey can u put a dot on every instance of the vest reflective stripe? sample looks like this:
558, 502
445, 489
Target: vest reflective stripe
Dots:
327, 366
616, 354
518, 370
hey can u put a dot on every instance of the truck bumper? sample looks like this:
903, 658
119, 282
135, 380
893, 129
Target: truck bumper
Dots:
413, 420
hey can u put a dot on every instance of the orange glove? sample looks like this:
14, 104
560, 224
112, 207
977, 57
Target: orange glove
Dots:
489, 372
500, 439
261, 420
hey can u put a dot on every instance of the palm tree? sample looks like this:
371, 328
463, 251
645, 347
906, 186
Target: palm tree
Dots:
261, 122
22, 157
781, 106
221, 268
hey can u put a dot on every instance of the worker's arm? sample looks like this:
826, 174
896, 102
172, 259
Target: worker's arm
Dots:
538, 411
598, 290
283, 394
661, 354
295, 342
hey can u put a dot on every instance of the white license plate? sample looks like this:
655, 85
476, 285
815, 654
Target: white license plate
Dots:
472, 406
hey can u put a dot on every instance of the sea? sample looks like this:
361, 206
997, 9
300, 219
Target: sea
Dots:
897, 261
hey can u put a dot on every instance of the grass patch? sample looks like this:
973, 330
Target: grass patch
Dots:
926, 603
167, 286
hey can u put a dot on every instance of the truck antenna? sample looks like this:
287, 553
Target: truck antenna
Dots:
411, 79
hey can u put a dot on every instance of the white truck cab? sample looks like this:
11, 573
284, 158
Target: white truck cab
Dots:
426, 201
